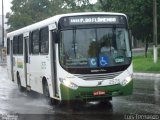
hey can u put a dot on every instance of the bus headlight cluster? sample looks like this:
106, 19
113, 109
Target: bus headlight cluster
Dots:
68, 83
126, 81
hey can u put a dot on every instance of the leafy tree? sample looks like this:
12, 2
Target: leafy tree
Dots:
22, 12
78, 5
139, 12
26, 12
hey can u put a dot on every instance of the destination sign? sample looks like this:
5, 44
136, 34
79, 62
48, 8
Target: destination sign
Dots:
91, 20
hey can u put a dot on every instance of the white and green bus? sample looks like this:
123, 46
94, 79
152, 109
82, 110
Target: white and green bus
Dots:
78, 56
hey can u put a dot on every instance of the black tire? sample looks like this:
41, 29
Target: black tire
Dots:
46, 89
105, 103
21, 89
109, 99
54, 101
46, 93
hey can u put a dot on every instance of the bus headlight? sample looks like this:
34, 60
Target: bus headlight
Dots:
68, 83
126, 81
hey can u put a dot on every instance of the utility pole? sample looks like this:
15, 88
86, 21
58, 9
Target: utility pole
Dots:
2, 25
155, 31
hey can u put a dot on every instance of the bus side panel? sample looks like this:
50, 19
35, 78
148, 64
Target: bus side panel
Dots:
39, 69
35, 73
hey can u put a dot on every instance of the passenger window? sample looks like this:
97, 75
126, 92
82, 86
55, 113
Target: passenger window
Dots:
8, 46
20, 44
44, 40
15, 45
35, 42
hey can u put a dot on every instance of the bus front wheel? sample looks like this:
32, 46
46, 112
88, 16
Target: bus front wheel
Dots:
46, 89
46, 93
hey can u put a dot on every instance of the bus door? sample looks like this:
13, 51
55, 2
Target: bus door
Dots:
26, 61
11, 59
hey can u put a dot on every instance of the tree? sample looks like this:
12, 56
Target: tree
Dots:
78, 5
26, 12
139, 12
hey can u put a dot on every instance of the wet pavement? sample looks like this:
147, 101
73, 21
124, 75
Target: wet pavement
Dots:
145, 100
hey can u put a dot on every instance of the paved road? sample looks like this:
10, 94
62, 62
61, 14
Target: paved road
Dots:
145, 100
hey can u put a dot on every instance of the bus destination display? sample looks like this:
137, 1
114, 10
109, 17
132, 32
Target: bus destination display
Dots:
82, 20
92, 20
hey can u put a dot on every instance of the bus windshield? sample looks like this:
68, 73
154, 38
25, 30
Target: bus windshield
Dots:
94, 48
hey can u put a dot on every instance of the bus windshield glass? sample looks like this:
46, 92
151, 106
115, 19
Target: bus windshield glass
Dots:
94, 47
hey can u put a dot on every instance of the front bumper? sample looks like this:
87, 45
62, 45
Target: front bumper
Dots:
86, 93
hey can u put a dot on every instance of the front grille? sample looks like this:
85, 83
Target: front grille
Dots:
98, 76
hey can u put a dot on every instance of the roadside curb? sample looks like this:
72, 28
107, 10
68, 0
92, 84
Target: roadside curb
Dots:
146, 75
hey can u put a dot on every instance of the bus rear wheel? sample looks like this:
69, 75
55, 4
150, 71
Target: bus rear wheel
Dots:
21, 89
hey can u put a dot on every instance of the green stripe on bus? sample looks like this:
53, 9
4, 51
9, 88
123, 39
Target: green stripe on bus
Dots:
83, 93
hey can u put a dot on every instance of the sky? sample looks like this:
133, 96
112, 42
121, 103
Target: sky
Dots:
7, 5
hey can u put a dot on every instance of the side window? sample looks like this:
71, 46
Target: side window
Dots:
20, 44
44, 40
8, 46
15, 45
35, 42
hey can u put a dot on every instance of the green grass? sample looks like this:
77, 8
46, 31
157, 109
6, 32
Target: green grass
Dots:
143, 64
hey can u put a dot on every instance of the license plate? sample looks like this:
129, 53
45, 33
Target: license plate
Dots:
99, 93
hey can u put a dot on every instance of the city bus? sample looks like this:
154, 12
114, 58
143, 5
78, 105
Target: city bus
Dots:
77, 56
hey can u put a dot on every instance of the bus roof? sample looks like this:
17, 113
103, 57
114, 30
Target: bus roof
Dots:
55, 19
